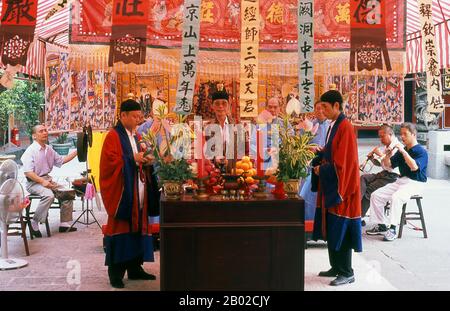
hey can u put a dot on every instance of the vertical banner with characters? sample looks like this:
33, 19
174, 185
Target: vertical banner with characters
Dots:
189, 50
368, 17
18, 22
129, 31
434, 87
305, 54
250, 29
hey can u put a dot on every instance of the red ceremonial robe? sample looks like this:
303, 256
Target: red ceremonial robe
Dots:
126, 236
338, 200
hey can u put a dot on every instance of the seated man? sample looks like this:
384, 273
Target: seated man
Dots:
372, 182
412, 163
38, 161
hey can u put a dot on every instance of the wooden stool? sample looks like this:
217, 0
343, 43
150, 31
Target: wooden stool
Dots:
29, 214
405, 217
18, 228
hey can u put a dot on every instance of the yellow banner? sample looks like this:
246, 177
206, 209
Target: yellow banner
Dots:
434, 85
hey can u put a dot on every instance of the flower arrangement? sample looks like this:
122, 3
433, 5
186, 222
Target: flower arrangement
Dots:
170, 164
295, 151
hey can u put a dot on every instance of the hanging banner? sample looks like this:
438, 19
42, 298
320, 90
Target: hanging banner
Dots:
220, 24
368, 17
129, 31
305, 54
189, 53
434, 86
250, 29
18, 22
58, 6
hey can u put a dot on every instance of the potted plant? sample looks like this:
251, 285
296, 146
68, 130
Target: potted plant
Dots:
294, 154
61, 145
171, 168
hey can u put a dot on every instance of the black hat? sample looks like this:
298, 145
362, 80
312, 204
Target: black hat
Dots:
221, 93
332, 96
130, 105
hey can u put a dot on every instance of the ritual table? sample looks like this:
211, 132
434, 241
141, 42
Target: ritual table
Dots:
255, 244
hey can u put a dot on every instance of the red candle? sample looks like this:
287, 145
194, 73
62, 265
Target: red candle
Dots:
200, 142
259, 169
204, 173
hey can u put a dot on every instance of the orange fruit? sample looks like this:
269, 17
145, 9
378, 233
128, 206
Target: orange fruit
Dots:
249, 180
245, 166
252, 172
239, 164
246, 159
250, 165
239, 171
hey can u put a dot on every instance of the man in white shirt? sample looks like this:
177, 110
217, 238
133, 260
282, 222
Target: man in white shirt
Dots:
221, 108
38, 161
372, 182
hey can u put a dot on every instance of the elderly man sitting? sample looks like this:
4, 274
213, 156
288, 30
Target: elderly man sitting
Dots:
372, 182
38, 161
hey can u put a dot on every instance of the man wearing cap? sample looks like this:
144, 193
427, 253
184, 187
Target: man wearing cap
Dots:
221, 108
128, 241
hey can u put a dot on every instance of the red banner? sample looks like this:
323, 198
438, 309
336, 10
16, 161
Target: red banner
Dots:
368, 16
18, 22
129, 31
220, 24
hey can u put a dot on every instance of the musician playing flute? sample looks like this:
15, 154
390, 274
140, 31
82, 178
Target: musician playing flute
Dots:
412, 161
371, 182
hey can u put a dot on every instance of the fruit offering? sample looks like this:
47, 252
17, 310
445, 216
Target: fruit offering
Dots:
245, 170
213, 183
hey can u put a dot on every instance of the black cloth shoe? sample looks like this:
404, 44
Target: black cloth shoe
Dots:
65, 229
140, 274
117, 283
329, 273
341, 280
36, 234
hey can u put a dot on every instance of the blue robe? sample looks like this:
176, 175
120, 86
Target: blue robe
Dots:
305, 190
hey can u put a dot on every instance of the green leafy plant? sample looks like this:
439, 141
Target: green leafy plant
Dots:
168, 166
31, 98
295, 152
175, 170
26, 101
62, 139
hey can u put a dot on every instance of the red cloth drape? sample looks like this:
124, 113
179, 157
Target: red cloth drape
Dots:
18, 22
368, 17
129, 31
